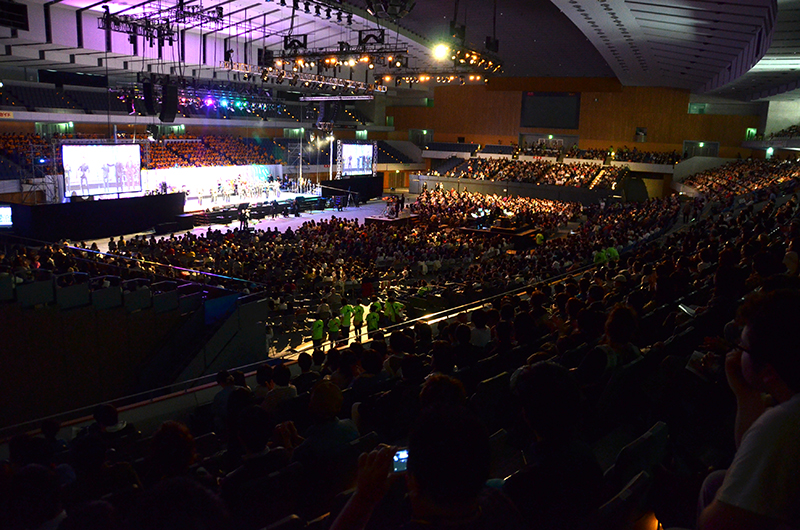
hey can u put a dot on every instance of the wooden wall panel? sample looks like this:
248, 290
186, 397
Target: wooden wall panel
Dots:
607, 118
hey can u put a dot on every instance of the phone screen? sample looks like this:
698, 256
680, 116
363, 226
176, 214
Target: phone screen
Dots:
400, 461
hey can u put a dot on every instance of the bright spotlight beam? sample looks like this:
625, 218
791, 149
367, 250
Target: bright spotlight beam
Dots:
440, 52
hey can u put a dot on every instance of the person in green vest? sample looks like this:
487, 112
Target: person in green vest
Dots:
334, 325
358, 319
600, 256
423, 289
318, 331
373, 317
393, 310
540, 238
612, 253
345, 316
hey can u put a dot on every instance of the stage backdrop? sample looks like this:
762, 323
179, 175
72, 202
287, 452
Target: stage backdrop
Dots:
194, 179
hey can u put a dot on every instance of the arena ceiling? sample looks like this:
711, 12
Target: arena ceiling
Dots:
739, 49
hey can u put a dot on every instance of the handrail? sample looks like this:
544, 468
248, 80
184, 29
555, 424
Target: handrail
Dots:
201, 383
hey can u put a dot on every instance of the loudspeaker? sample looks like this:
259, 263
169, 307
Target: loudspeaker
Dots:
169, 103
149, 102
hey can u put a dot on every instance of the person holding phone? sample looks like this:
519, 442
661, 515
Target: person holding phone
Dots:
447, 465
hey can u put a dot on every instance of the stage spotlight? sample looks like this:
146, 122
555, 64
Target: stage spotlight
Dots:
339, 17
440, 52
308, 7
328, 13
349, 19
317, 10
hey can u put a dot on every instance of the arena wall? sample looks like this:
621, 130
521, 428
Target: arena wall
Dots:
608, 116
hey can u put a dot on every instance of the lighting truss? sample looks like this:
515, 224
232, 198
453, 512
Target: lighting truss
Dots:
162, 24
337, 98
279, 76
344, 51
150, 28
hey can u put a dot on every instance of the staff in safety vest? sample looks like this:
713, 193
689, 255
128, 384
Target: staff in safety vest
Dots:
373, 317
318, 331
345, 315
334, 324
393, 310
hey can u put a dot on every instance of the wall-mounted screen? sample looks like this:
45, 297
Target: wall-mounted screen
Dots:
101, 169
550, 110
356, 159
5, 216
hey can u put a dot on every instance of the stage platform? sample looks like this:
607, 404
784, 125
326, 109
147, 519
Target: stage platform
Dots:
390, 222
193, 205
522, 237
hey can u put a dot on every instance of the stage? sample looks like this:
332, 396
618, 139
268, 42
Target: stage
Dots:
195, 205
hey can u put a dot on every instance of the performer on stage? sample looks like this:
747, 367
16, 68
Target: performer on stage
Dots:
84, 180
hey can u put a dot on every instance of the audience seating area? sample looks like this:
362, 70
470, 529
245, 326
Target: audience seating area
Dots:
742, 177
592, 176
499, 149
452, 147
389, 155
625, 402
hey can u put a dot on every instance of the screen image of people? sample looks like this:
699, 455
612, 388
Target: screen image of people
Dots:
356, 159
101, 169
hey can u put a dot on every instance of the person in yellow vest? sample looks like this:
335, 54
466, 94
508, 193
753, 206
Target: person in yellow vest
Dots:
358, 319
540, 238
334, 325
345, 315
373, 317
317, 331
393, 310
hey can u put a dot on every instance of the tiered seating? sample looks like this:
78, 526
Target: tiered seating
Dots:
8, 100
161, 157
452, 147
499, 149
9, 170
788, 132
585, 154
238, 152
17, 147
626, 393
98, 101
647, 157
41, 97
445, 166
389, 155
743, 177
581, 175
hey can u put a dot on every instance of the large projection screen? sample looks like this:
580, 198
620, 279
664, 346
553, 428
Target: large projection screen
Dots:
101, 169
356, 159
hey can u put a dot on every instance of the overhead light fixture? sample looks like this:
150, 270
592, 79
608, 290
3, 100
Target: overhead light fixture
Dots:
370, 8
440, 52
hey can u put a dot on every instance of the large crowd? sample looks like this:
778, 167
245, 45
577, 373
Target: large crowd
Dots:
562, 367
646, 157
741, 177
576, 174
